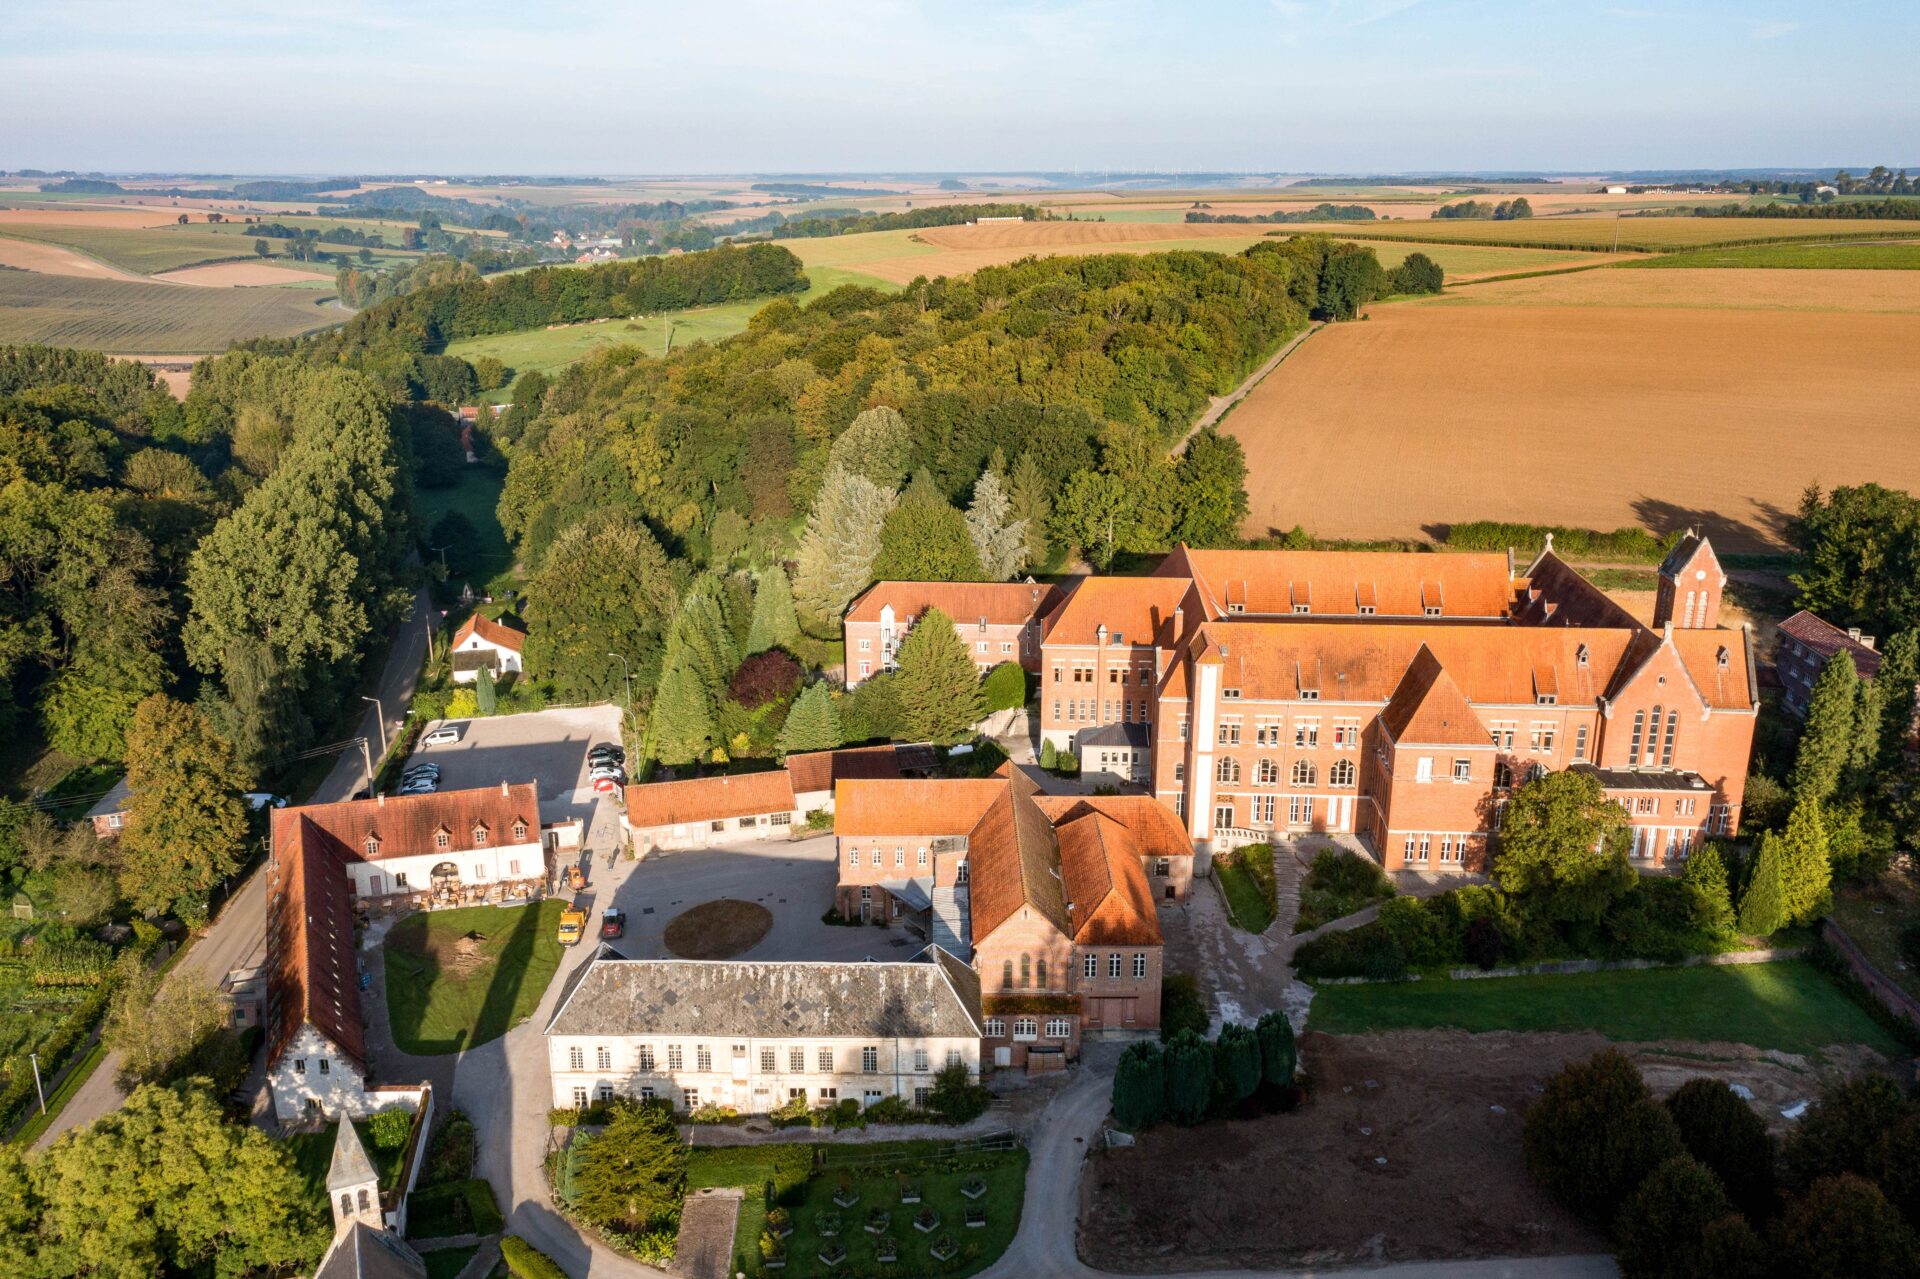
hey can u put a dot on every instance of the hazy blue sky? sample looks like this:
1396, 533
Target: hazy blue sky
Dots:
630, 86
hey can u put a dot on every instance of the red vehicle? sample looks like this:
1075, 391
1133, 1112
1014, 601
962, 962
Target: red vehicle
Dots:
606, 785
613, 922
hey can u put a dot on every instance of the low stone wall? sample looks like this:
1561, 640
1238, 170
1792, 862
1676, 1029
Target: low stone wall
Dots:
1566, 967
1896, 1000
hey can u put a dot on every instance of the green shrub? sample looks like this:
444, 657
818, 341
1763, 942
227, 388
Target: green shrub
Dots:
527, 1262
1067, 764
450, 1155
1236, 1065
1595, 1134
1278, 1054
1844, 1228
893, 1110
1723, 1133
1421, 934
1005, 687
1369, 951
1181, 1007
1660, 1227
1049, 756
1633, 543
956, 1098
1189, 1077
390, 1129
1338, 884
1139, 1086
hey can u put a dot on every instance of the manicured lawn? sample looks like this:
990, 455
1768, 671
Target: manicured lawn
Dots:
877, 1180
445, 1263
1245, 903
1790, 1006
476, 496
447, 992
313, 1156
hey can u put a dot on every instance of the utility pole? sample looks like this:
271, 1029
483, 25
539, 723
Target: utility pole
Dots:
35, 1058
366, 757
629, 670
379, 718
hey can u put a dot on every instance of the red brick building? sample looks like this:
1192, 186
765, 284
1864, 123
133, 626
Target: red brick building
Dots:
1052, 897
1806, 643
996, 621
1401, 696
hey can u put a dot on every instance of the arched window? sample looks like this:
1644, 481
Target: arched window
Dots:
363, 1201
1503, 775
346, 1205
1026, 971
1673, 731
1341, 774
1653, 736
1006, 974
1040, 972
1269, 773
1304, 773
1228, 769
1536, 771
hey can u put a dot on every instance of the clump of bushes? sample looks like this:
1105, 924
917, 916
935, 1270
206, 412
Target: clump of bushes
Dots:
1004, 688
1246, 1070
1635, 543
1694, 1187
450, 1155
1337, 885
524, 1261
390, 1129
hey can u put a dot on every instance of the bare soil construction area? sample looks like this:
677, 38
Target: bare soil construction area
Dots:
1407, 1148
1584, 413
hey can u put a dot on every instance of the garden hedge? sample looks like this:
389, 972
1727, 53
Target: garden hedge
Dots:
527, 1261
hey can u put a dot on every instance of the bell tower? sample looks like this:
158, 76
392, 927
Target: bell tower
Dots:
1691, 582
353, 1188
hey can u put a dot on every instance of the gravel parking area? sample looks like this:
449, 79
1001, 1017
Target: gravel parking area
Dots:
546, 747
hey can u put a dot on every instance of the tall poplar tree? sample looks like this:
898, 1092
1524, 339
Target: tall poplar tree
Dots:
1828, 740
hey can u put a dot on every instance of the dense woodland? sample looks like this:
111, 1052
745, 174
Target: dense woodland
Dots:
1503, 211
1318, 213
933, 215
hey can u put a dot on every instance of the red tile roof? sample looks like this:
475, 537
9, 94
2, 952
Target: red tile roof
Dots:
491, 631
311, 973
1110, 901
938, 806
1428, 709
1154, 828
409, 825
1001, 603
1336, 583
1826, 639
709, 799
1139, 609
1013, 860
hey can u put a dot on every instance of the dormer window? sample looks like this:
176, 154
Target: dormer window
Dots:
1118, 638
519, 831
983, 625
442, 838
372, 845
1303, 608
1232, 693
1723, 658
479, 835
1236, 608
1433, 610
1580, 656
1309, 694
1545, 699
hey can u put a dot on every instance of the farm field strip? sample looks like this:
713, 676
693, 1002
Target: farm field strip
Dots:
1730, 288
1857, 255
155, 319
1449, 410
1646, 234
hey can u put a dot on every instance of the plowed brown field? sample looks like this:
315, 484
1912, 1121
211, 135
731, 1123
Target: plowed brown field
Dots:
1740, 288
1626, 408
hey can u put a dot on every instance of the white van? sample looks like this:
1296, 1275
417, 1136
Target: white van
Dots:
440, 736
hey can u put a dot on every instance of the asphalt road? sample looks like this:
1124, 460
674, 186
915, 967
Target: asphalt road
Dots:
237, 938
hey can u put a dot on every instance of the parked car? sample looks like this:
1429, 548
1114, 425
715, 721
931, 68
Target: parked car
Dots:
257, 800
421, 787
613, 922
442, 735
607, 750
573, 922
421, 774
606, 785
608, 770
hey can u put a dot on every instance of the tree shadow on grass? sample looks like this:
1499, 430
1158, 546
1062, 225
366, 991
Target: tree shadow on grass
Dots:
433, 1013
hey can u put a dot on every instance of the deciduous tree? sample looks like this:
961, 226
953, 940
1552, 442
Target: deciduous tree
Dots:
1595, 1133
604, 587
185, 820
1212, 475
1660, 1227
1563, 848
1723, 1133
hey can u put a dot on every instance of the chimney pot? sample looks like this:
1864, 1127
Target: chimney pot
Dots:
503, 786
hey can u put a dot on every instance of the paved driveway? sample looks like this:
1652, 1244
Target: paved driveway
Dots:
549, 747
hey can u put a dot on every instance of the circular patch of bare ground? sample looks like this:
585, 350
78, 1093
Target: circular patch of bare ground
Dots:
718, 930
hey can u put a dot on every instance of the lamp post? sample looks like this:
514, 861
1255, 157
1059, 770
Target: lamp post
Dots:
629, 670
35, 1058
366, 757
379, 713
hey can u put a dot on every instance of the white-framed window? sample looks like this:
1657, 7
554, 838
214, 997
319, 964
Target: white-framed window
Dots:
1300, 810
1025, 1029
1423, 769
576, 1059
767, 1061
1304, 773
676, 1057
995, 1028
954, 1057
870, 1060
1342, 773
825, 1060
1227, 770
645, 1057
702, 1058
1462, 770
921, 1095
1267, 773
1059, 1028
603, 1058
1223, 815
1263, 810
692, 1098
922, 1061
1306, 732
1580, 742
1113, 964
1139, 967
580, 1098
1090, 966
899, 855
603, 1092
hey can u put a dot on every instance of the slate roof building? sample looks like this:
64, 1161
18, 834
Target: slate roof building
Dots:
755, 1036
1807, 642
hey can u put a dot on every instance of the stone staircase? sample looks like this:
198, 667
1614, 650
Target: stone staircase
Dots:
949, 925
1287, 873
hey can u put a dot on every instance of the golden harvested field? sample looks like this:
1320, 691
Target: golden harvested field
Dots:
1634, 233
124, 218
228, 275
1739, 288
1595, 413
54, 259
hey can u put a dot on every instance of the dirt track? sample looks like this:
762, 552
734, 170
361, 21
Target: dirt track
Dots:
1309, 1188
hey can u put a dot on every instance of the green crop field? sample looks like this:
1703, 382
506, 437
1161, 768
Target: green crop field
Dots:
851, 250
144, 250
549, 350
1874, 256
150, 319
1652, 235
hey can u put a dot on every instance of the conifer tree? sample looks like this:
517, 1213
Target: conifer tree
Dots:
1827, 742
1806, 873
1863, 755
1029, 502
1278, 1055
940, 697
775, 624
1140, 1086
839, 546
1763, 906
680, 728
486, 698
1236, 1064
813, 723
1189, 1076
877, 445
924, 539
1706, 876
1899, 673
999, 538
